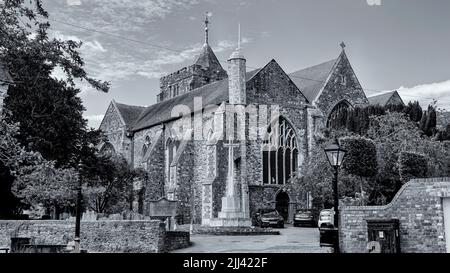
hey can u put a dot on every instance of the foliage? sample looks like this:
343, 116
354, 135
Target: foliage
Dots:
412, 165
109, 187
318, 176
388, 136
47, 185
48, 109
414, 111
12, 154
444, 135
361, 156
43, 99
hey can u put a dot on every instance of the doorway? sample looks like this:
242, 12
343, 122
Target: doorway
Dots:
282, 204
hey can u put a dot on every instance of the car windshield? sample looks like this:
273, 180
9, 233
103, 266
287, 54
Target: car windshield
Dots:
303, 212
271, 213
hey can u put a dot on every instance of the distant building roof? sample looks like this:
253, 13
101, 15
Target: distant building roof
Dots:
385, 98
310, 80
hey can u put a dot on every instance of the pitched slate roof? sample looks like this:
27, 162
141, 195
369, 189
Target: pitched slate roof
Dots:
310, 80
207, 58
129, 113
211, 94
382, 99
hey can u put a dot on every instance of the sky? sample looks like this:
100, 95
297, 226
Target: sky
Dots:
392, 44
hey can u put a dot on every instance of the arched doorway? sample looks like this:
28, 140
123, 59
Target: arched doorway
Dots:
282, 204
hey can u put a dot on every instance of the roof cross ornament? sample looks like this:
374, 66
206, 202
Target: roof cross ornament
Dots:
343, 45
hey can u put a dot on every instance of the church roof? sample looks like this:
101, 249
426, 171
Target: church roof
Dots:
310, 80
382, 99
129, 113
207, 58
211, 94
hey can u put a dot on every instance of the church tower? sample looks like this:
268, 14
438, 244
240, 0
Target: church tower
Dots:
236, 76
205, 70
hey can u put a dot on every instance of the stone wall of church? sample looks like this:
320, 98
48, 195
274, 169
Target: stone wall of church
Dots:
186, 190
336, 91
114, 129
272, 86
116, 132
154, 186
187, 79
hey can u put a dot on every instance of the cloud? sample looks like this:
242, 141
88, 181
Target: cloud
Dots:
120, 65
74, 2
87, 47
425, 93
113, 59
94, 120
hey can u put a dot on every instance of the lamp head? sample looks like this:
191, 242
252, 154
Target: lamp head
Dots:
335, 154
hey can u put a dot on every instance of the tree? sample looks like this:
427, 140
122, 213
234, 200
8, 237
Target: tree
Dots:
412, 165
15, 161
361, 156
46, 185
48, 109
430, 123
109, 188
413, 111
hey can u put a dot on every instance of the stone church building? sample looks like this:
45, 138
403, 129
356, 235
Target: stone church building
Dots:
214, 178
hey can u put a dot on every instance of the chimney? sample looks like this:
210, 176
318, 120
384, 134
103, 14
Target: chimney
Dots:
236, 78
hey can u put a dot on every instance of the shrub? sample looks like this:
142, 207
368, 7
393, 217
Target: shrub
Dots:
412, 165
361, 156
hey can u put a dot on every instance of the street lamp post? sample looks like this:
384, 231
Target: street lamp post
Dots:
78, 211
335, 155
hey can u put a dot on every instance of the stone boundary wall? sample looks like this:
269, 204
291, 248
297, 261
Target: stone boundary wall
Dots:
417, 206
176, 240
109, 236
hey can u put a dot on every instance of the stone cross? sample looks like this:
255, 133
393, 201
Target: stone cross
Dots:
230, 180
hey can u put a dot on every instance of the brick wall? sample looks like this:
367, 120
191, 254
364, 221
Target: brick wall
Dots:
96, 236
418, 207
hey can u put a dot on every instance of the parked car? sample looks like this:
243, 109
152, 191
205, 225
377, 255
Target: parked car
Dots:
304, 218
326, 218
269, 218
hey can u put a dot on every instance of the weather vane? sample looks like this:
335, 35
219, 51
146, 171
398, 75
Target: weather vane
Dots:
207, 15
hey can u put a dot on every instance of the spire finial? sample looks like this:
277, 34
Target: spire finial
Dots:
343, 45
207, 15
239, 37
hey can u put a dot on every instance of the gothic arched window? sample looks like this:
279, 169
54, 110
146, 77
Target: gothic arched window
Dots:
107, 149
146, 145
171, 151
280, 153
338, 116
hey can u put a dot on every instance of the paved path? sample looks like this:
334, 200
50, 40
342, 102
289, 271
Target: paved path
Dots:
290, 240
